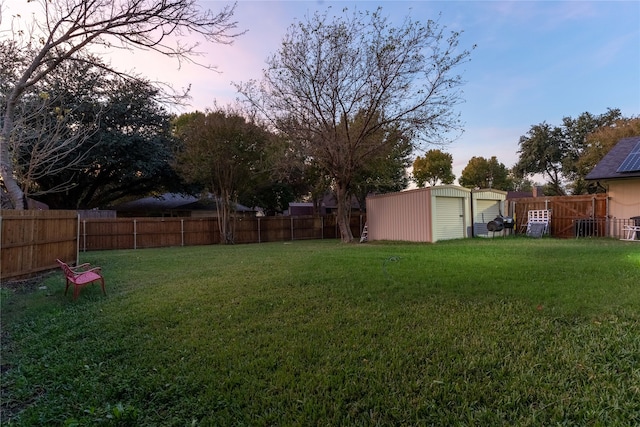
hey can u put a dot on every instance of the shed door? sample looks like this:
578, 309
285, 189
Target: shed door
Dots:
449, 220
487, 211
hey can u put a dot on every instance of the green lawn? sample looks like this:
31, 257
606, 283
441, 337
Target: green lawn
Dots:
482, 332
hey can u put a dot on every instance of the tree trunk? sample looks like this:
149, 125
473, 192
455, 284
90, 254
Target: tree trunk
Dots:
344, 213
6, 171
225, 218
6, 163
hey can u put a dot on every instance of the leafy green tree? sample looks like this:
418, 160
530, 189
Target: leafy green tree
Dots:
318, 183
337, 83
67, 29
541, 151
386, 172
603, 139
272, 197
576, 132
291, 177
436, 166
520, 183
126, 144
555, 151
483, 173
223, 152
306, 179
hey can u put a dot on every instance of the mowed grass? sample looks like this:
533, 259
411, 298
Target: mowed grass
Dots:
505, 331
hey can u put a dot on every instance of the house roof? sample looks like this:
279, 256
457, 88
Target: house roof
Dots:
607, 168
519, 194
164, 201
328, 201
210, 204
173, 201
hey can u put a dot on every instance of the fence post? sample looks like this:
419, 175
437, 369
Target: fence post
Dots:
259, 237
181, 231
135, 235
78, 239
608, 220
291, 228
322, 227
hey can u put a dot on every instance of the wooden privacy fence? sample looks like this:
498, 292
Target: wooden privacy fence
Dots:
32, 240
137, 233
571, 216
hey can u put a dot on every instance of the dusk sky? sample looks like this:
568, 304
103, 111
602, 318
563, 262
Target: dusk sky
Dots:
535, 61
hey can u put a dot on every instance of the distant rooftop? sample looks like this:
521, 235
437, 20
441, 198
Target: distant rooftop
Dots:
174, 201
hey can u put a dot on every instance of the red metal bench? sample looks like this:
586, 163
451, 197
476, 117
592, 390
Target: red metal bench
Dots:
80, 276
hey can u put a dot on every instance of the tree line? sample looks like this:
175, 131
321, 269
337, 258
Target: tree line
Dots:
342, 107
563, 155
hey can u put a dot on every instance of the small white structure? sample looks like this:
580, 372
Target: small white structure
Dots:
422, 215
486, 205
541, 217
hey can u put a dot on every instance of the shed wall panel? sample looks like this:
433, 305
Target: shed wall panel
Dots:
402, 216
489, 194
450, 191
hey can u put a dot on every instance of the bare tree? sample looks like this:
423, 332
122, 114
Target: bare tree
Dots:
68, 28
356, 68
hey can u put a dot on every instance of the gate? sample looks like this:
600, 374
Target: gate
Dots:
571, 216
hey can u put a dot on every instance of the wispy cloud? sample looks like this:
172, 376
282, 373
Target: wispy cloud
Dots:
545, 15
613, 49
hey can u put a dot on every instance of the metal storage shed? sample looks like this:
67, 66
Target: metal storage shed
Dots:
422, 215
486, 204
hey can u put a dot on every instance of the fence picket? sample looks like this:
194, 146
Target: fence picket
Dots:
32, 240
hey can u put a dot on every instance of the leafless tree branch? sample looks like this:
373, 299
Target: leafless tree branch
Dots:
69, 27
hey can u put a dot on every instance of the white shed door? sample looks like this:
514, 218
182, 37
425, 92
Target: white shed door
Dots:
449, 221
487, 211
